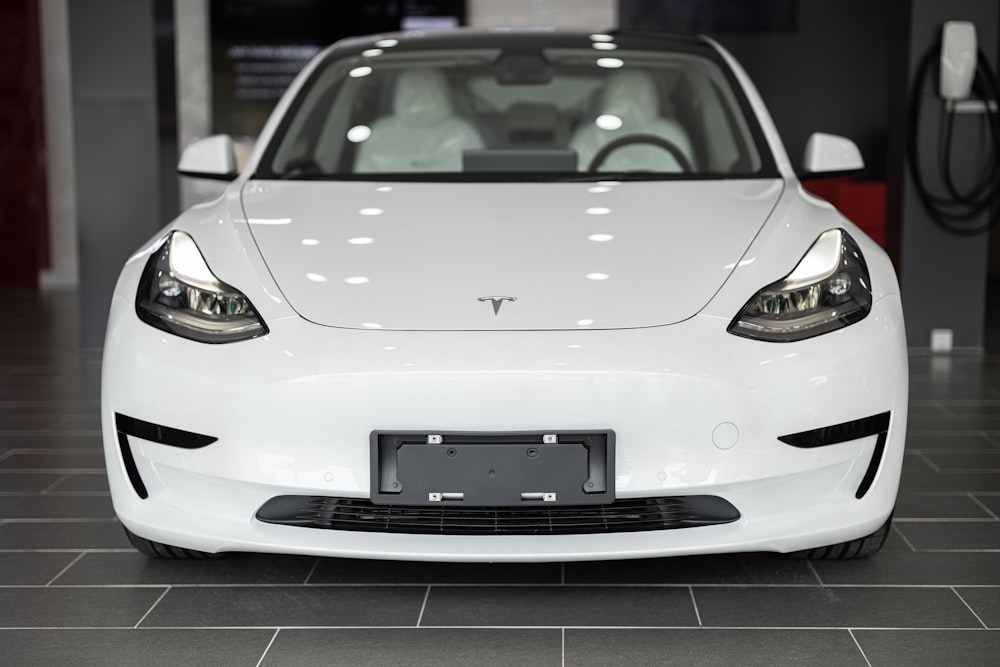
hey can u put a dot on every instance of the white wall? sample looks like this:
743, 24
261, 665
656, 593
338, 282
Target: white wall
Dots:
582, 14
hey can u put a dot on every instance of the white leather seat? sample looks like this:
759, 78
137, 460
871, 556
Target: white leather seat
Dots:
630, 106
422, 134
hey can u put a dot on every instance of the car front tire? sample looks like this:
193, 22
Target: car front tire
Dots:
164, 551
863, 547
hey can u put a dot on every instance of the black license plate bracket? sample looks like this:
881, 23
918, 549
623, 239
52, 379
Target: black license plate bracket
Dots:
492, 469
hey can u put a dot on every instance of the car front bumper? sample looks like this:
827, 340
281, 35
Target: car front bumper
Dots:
694, 410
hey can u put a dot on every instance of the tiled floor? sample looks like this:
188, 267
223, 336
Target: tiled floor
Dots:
73, 592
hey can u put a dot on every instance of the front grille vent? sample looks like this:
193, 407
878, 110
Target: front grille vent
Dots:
622, 516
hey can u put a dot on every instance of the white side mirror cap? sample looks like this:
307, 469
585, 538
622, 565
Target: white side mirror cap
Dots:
827, 153
212, 157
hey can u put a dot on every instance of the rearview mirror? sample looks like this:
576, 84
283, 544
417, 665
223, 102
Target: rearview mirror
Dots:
212, 157
827, 154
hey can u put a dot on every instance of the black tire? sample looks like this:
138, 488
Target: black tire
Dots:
863, 547
165, 551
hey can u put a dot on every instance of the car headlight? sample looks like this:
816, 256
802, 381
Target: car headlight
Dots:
829, 289
180, 294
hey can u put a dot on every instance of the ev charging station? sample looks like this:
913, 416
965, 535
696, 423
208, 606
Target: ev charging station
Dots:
944, 167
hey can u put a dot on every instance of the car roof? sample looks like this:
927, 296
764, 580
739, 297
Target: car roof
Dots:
527, 39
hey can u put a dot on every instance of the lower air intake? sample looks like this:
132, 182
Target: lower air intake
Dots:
621, 516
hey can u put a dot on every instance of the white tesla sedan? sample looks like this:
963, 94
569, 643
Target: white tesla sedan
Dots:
509, 296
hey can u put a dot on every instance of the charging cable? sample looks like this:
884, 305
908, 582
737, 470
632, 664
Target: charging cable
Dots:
956, 210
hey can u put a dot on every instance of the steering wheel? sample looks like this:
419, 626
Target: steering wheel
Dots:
650, 139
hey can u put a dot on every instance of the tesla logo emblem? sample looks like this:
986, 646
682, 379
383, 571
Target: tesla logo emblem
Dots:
497, 301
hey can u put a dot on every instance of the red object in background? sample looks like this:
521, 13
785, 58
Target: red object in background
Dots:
23, 204
861, 202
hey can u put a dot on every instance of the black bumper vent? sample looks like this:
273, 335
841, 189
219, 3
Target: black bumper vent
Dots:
622, 516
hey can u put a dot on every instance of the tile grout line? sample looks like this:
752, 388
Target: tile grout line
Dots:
697, 614
311, 572
967, 606
55, 483
268, 647
423, 606
923, 457
986, 509
63, 571
858, 644
150, 610
812, 568
903, 537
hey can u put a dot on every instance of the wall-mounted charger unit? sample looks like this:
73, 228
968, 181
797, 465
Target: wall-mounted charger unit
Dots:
958, 60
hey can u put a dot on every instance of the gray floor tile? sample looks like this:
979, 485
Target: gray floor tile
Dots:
416, 647
75, 607
938, 506
922, 648
83, 483
959, 461
27, 482
913, 569
985, 602
51, 440
32, 569
56, 507
712, 648
351, 571
754, 568
297, 606
833, 608
112, 569
952, 535
559, 606
54, 460
63, 535
126, 648
950, 441
950, 482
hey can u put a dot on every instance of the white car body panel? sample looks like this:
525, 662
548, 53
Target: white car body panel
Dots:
645, 353
391, 257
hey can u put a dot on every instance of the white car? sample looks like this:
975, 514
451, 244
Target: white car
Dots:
510, 295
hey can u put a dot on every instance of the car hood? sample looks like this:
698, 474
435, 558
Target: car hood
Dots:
504, 256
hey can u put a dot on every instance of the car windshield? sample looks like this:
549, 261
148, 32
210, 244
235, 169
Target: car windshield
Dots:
543, 114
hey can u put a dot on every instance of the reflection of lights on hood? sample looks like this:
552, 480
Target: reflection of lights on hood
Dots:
598, 189
384, 188
601, 37
600, 238
371, 211
371, 53
269, 221
584, 323
310, 242
598, 210
608, 121
609, 63
597, 276
574, 346
357, 280
316, 278
358, 133
361, 240
604, 46
359, 72
390, 348
386, 43
371, 325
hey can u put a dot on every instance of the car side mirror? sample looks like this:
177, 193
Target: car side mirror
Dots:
212, 157
829, 154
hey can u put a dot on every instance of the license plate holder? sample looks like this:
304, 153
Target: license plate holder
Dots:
492, 469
